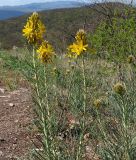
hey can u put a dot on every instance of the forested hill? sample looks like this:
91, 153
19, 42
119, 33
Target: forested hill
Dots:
61, 25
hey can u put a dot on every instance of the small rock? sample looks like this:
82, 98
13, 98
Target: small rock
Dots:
2, 90
16, 121
15, 139
14, 146
86, 137
1, 153
11, 104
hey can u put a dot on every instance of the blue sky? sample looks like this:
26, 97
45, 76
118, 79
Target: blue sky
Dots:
21, 2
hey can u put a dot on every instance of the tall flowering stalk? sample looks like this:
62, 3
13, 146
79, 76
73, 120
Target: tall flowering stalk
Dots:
78, 49
34, 31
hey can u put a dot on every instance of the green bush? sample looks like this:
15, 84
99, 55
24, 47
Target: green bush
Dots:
116, 40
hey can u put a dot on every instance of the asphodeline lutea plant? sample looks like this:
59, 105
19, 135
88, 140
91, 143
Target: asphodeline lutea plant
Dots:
75, 50
34, 29
45, 52
79, 46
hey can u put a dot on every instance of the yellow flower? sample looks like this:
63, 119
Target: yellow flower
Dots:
45, 52
119, 88
79, 46
34, 29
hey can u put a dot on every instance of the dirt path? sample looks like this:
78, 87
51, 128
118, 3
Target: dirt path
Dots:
15, 118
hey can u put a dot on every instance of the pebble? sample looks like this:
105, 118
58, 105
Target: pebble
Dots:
11, 104
2, 90
1, 153
14, 146
16, 121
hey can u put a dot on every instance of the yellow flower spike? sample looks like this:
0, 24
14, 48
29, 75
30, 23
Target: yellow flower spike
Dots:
79, 46
34, 29
45, 52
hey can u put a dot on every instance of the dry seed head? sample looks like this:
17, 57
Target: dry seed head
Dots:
131, 59
97, 103
119, 88
101, 101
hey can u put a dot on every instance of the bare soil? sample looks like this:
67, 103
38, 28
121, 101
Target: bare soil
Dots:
15, 120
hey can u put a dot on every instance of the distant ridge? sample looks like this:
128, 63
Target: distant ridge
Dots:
61, 25
15, 11
4, 14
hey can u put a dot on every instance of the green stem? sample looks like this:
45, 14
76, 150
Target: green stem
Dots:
41, 107
46, 95
85, 90
84, 109
125, 130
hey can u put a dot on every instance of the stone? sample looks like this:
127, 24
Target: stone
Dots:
11, 104
1, 153
2, 90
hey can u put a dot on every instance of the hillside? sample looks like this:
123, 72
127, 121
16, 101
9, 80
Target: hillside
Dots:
15, 11
61, 25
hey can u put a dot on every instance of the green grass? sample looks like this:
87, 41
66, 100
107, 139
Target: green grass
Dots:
111, 126
11, 76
